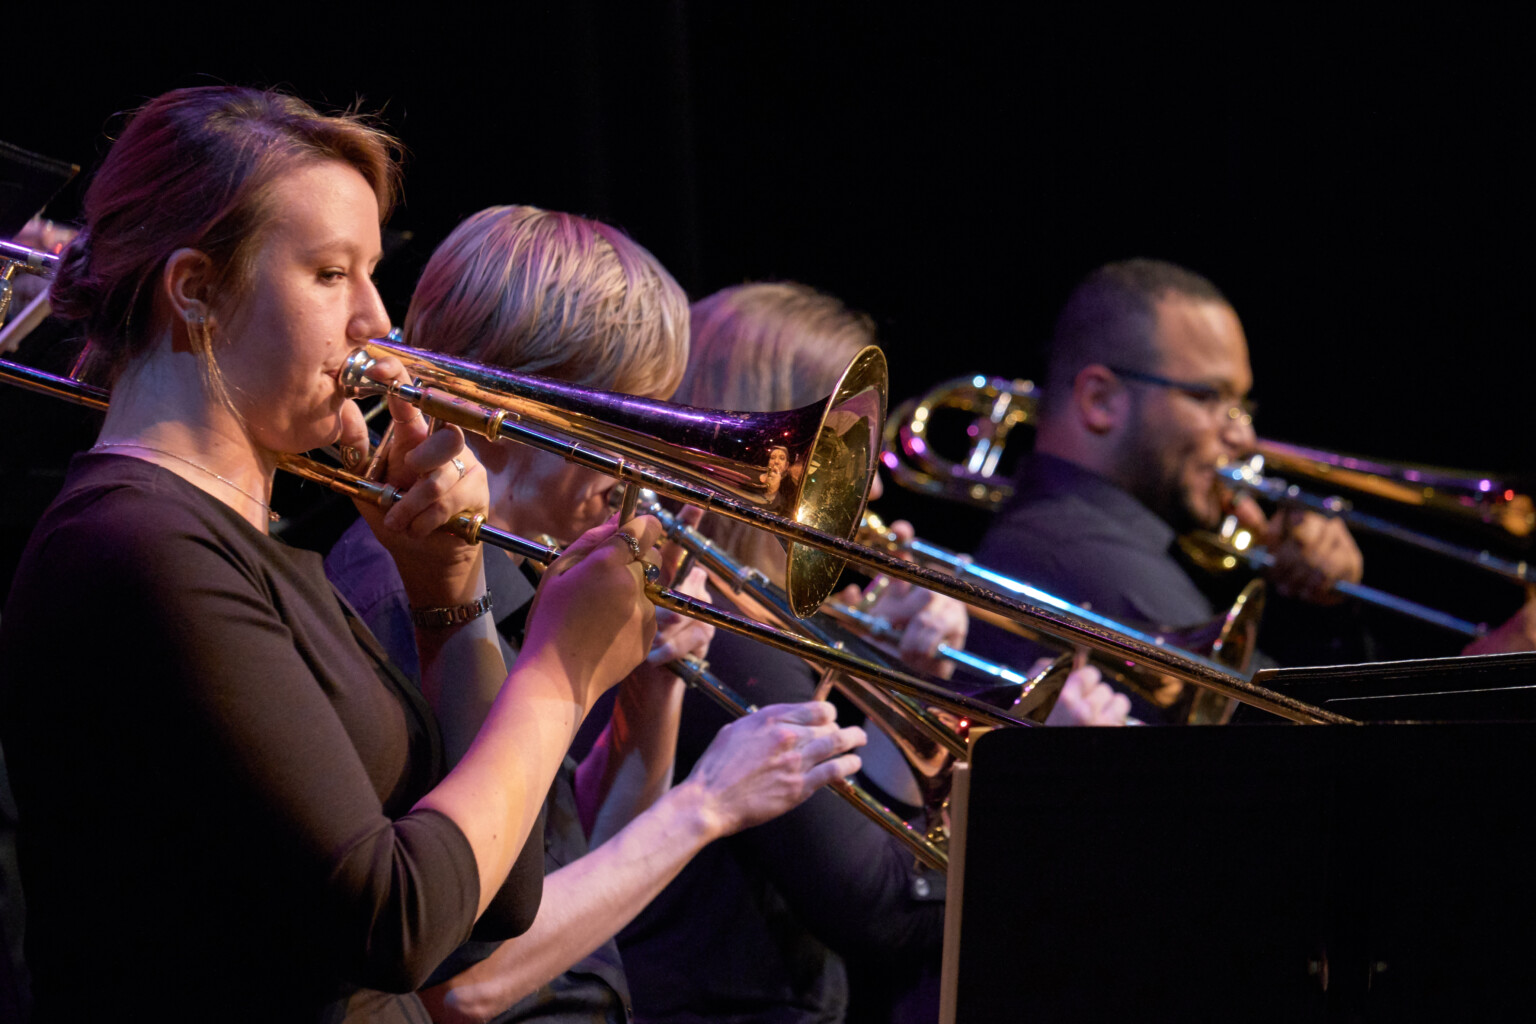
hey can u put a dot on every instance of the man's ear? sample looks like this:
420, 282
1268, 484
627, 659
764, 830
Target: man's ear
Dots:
187, 286
1099, 398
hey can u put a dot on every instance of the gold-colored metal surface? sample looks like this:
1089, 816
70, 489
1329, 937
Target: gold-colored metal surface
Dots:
1475, 501
637, 425
996, 406
932, 730
1476, 497
18, 259
1230, 639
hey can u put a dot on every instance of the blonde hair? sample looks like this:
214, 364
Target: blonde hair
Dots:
538, 291
764, 347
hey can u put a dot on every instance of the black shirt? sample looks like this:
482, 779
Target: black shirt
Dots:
594, 990
216, 768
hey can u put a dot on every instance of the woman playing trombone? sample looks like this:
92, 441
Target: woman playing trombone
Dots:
242, 815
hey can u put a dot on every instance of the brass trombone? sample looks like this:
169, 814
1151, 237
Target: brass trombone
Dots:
16, 259
810, 467
1506, 509
931, 734
1050, 615
492, 403
472, 527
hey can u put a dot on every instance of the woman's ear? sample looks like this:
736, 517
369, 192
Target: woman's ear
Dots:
187, 285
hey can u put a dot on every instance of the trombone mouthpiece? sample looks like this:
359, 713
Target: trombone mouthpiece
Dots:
353, 376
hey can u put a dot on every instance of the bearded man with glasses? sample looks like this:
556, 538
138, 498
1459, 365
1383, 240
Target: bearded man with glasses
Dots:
1145, 395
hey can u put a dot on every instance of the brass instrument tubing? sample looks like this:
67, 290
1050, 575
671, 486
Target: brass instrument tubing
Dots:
739, 578
471, 527
1381, 599
881, 629
32, 261
1277, 490
70, 390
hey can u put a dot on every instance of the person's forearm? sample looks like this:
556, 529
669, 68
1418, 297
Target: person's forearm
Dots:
495, 791
631, 765
462, 671
584, 904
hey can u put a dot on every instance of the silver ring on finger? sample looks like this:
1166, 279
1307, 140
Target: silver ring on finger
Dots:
458, 464
632, 543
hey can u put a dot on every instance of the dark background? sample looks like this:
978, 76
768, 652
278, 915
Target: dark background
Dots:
1356, 184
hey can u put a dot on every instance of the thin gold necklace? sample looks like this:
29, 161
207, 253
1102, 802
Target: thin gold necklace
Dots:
273, 516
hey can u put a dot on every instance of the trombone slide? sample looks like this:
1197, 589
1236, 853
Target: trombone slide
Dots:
1250, 476
697, 675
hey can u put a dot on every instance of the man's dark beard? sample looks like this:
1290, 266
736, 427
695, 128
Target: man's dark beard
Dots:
1139, 471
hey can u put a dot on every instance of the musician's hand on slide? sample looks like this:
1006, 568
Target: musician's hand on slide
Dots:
591, 613
1087, 700
1311, 552
925, 620
762, 765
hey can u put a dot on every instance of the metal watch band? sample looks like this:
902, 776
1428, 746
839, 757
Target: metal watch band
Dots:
438, 618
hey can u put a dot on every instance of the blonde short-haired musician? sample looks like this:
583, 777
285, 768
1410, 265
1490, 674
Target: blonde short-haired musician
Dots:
794, 897
539, 291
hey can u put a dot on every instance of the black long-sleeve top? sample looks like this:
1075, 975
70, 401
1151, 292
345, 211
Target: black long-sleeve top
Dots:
216, 768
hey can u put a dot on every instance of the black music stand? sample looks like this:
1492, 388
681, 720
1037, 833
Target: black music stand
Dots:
1487, 688
1286, 874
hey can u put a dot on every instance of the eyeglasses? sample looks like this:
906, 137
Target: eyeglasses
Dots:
1215, 400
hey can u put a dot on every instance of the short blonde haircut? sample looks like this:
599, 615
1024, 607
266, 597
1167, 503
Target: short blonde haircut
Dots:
538, 291
768, 346
765, 347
